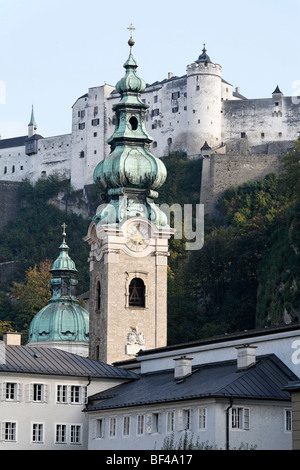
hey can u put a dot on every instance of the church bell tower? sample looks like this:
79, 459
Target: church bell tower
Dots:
128, 236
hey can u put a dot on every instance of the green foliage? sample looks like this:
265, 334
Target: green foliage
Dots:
247, 273
35, 236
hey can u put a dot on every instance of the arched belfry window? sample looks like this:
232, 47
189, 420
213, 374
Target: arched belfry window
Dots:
98, 296
137, 293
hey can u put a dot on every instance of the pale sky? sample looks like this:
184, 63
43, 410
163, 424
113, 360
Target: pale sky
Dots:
52, 51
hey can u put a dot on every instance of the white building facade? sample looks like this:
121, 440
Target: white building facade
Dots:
156, 414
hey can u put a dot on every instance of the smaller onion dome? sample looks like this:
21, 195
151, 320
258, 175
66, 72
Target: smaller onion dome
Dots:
62, 319
203, 57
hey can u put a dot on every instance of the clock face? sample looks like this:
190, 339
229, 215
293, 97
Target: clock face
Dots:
137, 237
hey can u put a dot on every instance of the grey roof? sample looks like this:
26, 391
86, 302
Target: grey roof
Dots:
52, 361
13, 142
264, 380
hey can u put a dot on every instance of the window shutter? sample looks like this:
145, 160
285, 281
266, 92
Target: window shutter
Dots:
29, 392
84, 395
180, 419
159, 427
46, 392
19, 391
2, 391
246, 418
149, 423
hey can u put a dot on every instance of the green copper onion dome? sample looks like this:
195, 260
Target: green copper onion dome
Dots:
130, 171
63, 319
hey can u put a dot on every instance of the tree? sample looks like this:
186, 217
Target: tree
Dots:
34, 293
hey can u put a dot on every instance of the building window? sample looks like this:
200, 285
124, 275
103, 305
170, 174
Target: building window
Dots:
170, 421
175, 95
100, 428
155, 99
11, 391
95, 110
175, 109
95, 134
10, 431
137, 293
37, 432
61, 434
154, 144
5, 170
187, 420
75, 394
37, 392
95, 122
155, 112
243, 135
240, 418
61, 394
81, 125
13, 169
288, 420
75, 434
82, 114
140, 424
197, 87
126, 425
112, 427
133, 123
81, 154
202, 418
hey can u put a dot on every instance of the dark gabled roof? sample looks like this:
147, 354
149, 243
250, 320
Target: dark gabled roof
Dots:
52, 361
264, 380
13, 142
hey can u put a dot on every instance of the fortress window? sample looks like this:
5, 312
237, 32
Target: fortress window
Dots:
155, 112
95, 134
95, 122
176, 95
5, 170
155, 99
82, 114
13, 169
137, 293
262, 134
154, 144
95, 110
81, 154
175, 110
81, 125
198, 87
243, 135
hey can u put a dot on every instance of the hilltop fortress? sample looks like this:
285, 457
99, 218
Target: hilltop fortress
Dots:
238, 139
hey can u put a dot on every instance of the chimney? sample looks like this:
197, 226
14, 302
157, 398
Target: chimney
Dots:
183, 367
170, 75
12, 338
246, 356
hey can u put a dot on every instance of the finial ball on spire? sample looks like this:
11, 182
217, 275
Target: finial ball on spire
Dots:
131, 28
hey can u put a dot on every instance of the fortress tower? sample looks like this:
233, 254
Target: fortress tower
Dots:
128, 236
204, 95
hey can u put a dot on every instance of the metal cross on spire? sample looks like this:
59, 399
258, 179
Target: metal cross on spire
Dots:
64, 226
131, 28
